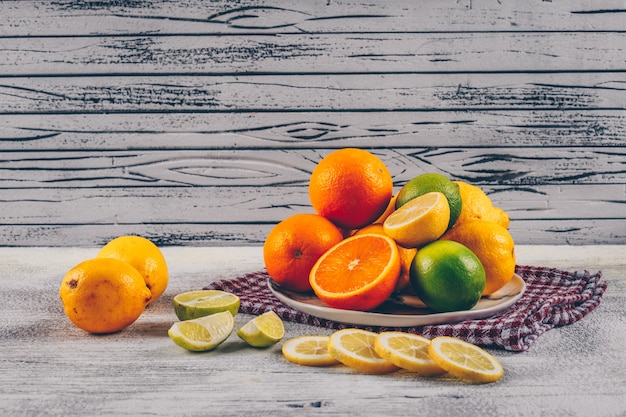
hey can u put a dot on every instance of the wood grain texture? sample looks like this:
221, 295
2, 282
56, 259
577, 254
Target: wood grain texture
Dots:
199, 122
297, 53
51, 368
92, 18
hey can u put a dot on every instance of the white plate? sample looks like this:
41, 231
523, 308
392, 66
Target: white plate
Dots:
402, 311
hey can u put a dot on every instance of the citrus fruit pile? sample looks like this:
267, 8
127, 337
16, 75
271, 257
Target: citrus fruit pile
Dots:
436, 238
109, 292
381, 353
207, 320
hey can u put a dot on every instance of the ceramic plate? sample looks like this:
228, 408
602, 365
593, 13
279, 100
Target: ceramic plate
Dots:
402, 311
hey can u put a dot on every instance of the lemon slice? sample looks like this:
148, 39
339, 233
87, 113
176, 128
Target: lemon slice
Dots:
465, 360
420, 221
355, 348
194, 304
263, 330
311, 350
407, 351
204, 333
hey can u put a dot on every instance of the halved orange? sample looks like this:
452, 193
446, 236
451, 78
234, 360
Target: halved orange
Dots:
406, 255
358, 273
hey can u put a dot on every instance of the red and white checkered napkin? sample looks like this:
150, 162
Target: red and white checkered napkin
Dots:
552, 298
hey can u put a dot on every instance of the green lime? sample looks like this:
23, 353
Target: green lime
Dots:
429, 182
447, 276
263, 330
194, 304
204, 333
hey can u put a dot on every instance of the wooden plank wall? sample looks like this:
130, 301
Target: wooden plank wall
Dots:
198, 123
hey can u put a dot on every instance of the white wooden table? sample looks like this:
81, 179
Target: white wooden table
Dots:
48, 367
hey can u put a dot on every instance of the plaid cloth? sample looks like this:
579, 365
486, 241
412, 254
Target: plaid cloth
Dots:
552, 298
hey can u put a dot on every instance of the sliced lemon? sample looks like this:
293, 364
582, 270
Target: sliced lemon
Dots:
194, 304
204, 333
263, 330
310, 350
355, 348
420, 221
465, 360
407, 351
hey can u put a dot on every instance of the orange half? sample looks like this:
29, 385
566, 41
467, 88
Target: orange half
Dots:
358, 273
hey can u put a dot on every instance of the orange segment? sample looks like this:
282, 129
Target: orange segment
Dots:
359, 273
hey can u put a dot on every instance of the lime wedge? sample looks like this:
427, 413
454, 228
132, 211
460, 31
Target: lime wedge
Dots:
262, 331
204, 333
194, 304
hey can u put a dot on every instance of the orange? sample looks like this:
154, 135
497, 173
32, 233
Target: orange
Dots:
103, 295
494, 247
351, 187
478, 206
358, 273
406, 255
144, 256
294, 245
391, 207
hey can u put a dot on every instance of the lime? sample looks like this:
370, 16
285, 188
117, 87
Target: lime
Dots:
263, 330
419, 221
194, 304
204, 333
429, 182
447, 276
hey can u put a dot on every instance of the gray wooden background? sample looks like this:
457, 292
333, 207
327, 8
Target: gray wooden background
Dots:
198, 123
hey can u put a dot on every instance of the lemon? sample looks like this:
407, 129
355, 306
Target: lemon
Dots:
355, 349
408, 351
204, 333
263, 330
465, 360
310, 350
194, 304
429, 182
478, 206
447, 276
419, 221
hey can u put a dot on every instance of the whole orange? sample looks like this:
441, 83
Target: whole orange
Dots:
493, 246
144, 256
103, 295
351, 187
294, 245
